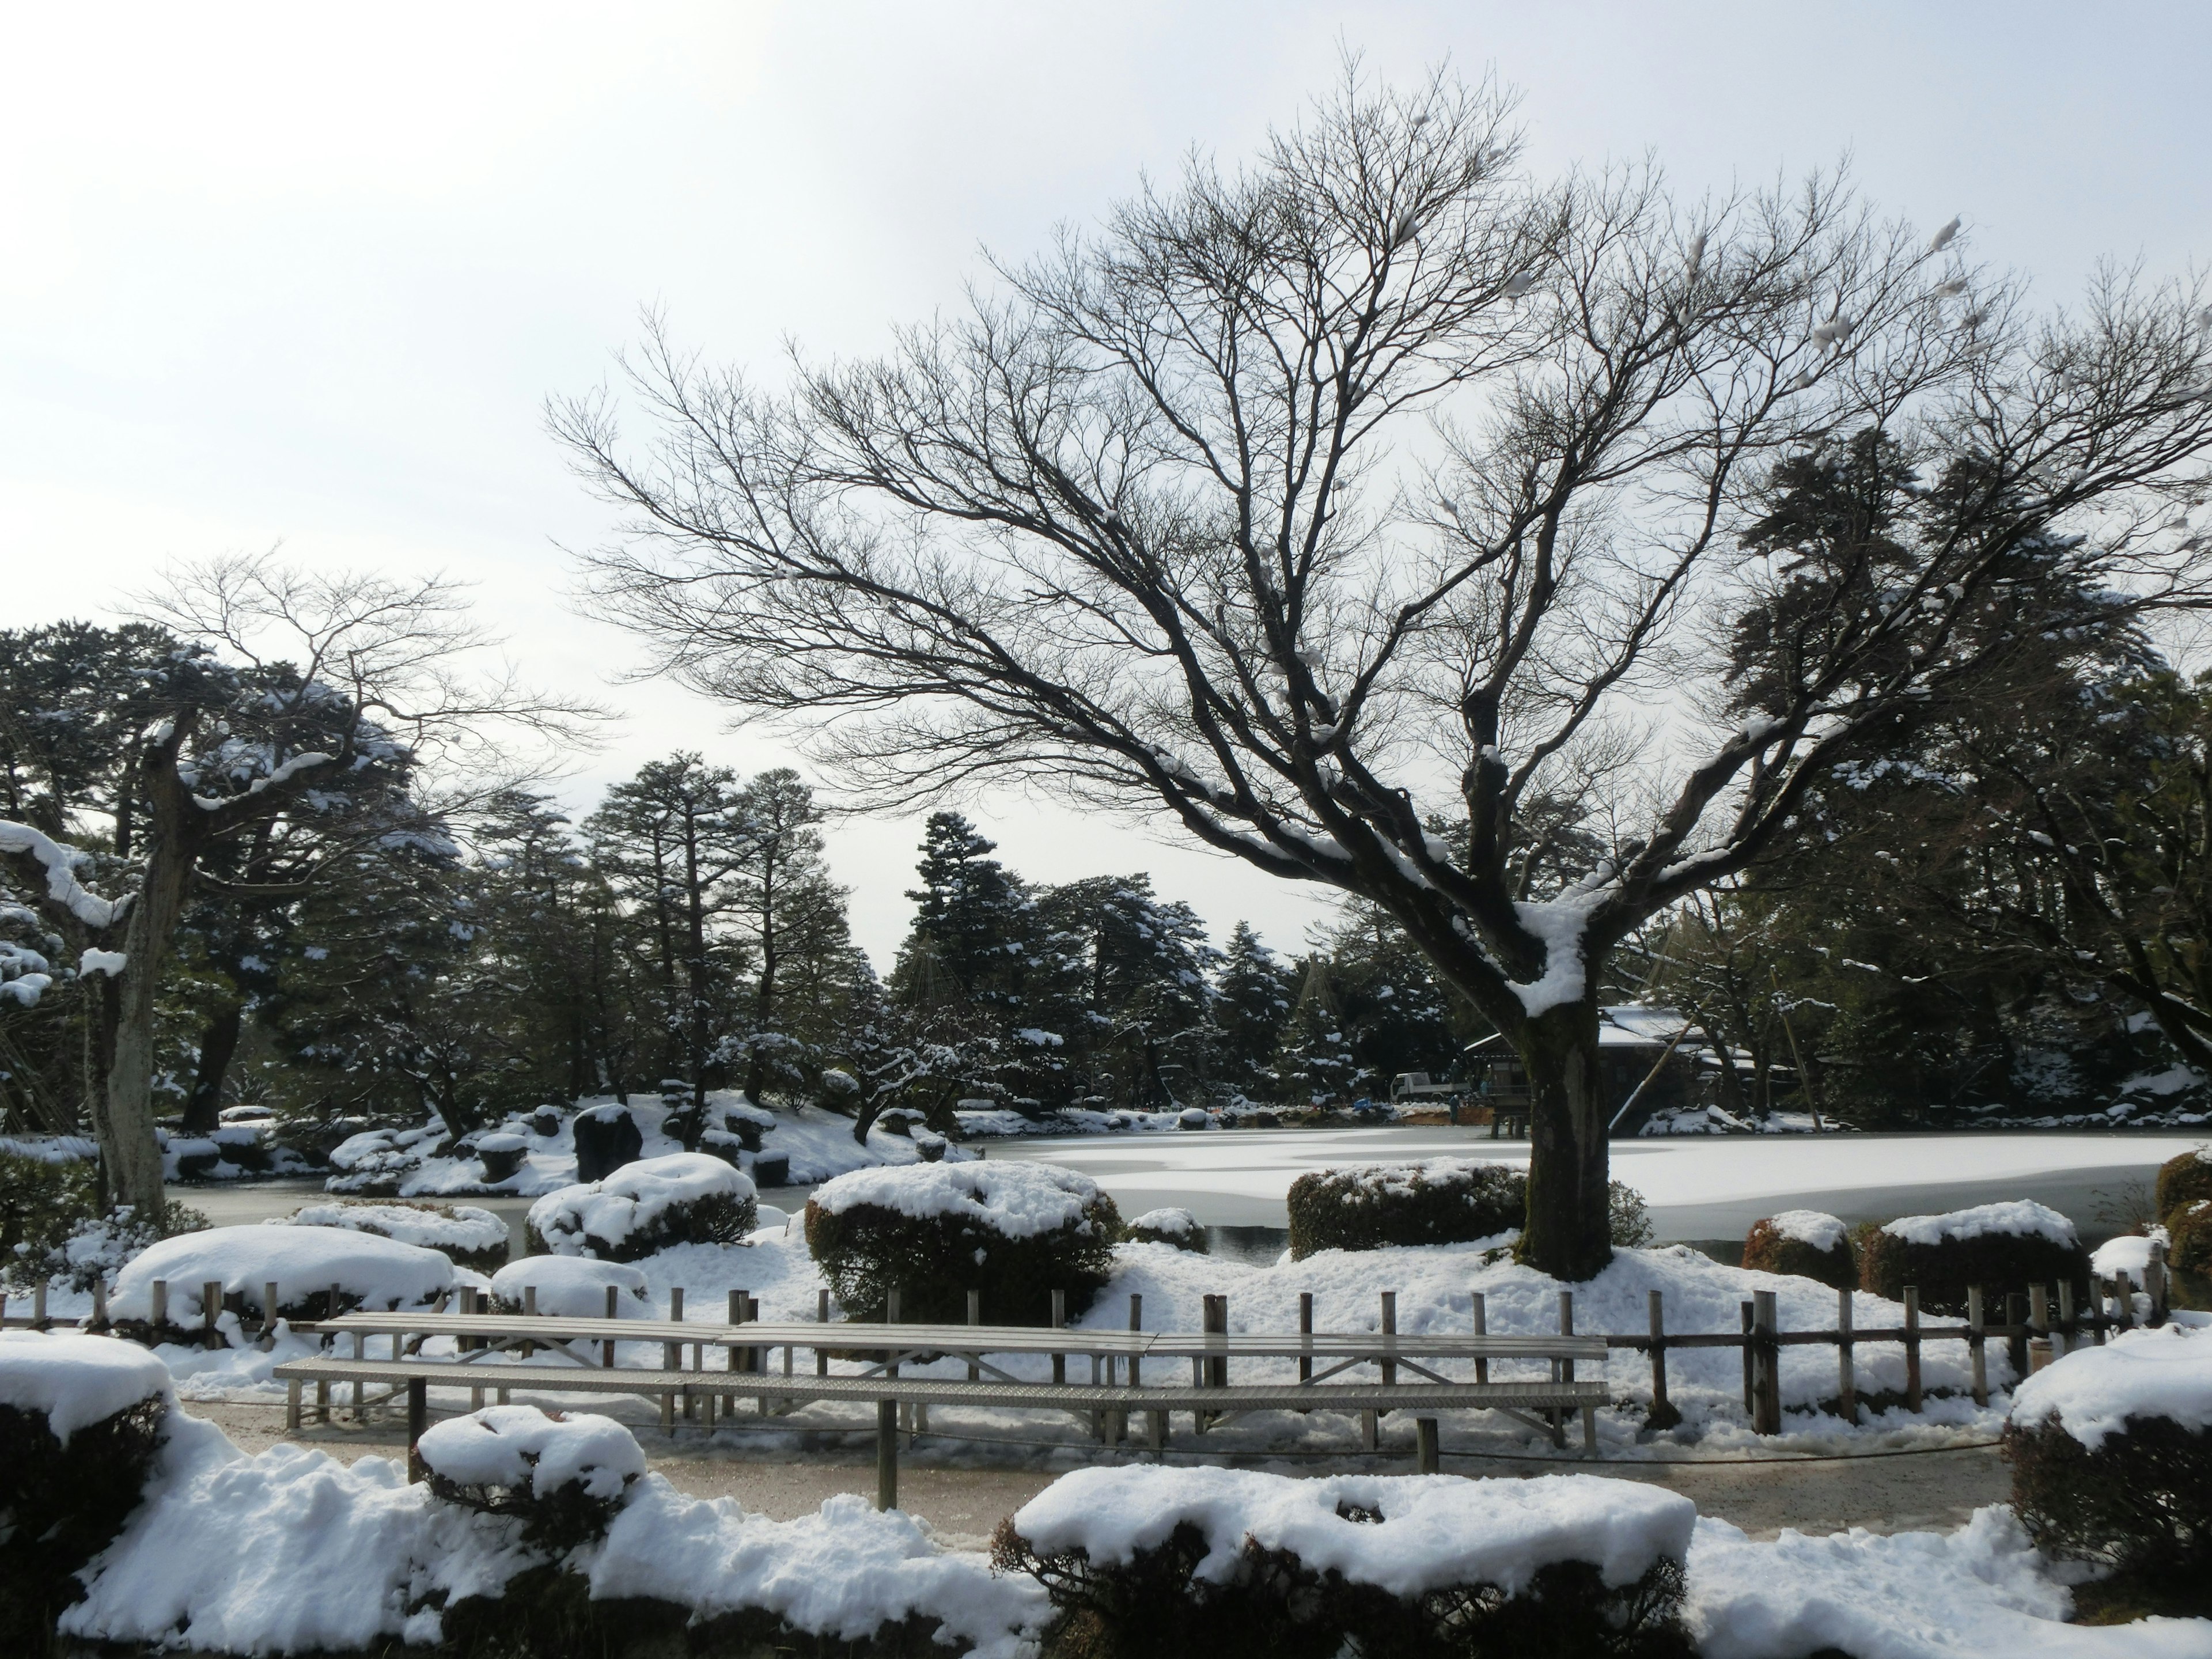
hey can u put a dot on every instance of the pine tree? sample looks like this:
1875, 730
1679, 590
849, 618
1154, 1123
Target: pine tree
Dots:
790, 917
972, 922
1252, 1007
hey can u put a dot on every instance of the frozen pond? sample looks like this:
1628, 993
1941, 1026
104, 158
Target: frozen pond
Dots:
1699, 1187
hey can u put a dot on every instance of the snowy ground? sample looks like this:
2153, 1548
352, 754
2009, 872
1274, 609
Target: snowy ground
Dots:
1697, 1187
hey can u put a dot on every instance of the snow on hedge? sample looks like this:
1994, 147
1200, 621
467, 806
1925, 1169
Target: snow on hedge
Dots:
74, 1380
574, 1286
1814, 1228
465, 1228
633, 1200
2021, 1217
1980, 1591
1168, 1221
377, 1273
1436, 1529
519, 1446
2166, 1372
1012, 1198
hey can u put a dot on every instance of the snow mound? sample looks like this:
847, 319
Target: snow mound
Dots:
2021, 1218
1814, 1228
2129, 1254
574, 1286
1980, 1591
464, 1229
1165, 1221
502, 1142
1434, 1530
633, 1201
74, 1380
1375, 1181
519, 1446
376, 1273
1013, 1199
2166, 1372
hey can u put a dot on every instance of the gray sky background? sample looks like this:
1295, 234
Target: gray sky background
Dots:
306, 275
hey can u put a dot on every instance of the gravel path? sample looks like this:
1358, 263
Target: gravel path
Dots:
1938, 1490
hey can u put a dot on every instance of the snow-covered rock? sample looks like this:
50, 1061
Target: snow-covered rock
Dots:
368, 1271
1434, 1530
574, 1286
2127, 1254
521, 1447
74, 1380
639, 1204
1012, 1198
2092, 1392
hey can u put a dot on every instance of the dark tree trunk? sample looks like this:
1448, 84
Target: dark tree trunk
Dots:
218, 1043
124, 1115
1567, 1234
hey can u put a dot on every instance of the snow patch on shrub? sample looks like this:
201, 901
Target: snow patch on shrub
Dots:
1013, 1199
520, 1447
572, 1286
74, 1380
465, 1232
2018, 1219
2161, 1373
686, 1197
302, 1262
1814, 1227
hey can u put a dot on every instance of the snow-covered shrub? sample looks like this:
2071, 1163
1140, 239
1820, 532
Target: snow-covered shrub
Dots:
1144, 1560
43, 1200
304, 1263
474, 1238
1628, 1218
563, 1475
570, 1287
1444, 1200
2000, 1247
1806, 1242
2111, 1449
2184, 1180
1016, 1231
686, 1198
1177, 1227
375, 1161
96, 1246
2189, 1239
607, 1138
80, 1418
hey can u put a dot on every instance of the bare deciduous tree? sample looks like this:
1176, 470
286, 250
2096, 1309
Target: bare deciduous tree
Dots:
1335, 507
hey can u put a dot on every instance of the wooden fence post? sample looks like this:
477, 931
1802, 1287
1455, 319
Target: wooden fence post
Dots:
1847, 1381
1059, 1322
975, 1317
268, 1311
1663, 1414
1767, 1420
2155, 1282
1750, 1384
1912, 1347
1563, 1370
821, 1317
418, 1421
1426, 1460
1305, 1329
1136, 1323
2038, 1327
2123, 1297
2016, 1337
2066, 1321
38, 1302
886, 1455
1481, 1328
1389, 1328
211, 1311
1977, 1345
159, 1316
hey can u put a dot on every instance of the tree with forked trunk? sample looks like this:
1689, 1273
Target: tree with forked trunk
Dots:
1341, 508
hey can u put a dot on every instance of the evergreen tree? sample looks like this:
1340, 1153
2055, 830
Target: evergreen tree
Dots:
972, 922
1253, 995
790, 917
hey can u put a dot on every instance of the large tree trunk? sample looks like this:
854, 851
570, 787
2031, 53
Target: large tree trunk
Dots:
1567, 1234
124, 1112
218, 1043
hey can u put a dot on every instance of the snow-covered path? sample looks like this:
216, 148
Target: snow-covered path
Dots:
1697, 1187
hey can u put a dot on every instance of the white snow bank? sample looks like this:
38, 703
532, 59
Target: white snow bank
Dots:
1013, 1198
2166, 1372
634, 1200
379, 1272
1815, 1228
1966, 1595
839, 1572
463, 1228
574, 1286
74, 1380
518, 1446
1436, 1529
2021, 1218
2129, 1254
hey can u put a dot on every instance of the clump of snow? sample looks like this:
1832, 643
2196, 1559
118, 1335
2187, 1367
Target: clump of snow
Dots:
574, 1286
1560, 923
1170, 1221
2164, 1372
502, 1143
372, 1272
74, 1380
465, 1228
521, 1446
1435, 1529
1815, 1228
1012, 1198
633, 1201
2021, 1217
2127, 1254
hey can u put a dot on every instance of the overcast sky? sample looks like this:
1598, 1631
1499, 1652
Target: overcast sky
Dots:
307, 274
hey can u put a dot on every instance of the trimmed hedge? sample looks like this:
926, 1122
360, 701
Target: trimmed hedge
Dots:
1175, 1227
2001, 1263
1372, 1206
2140, 1504
1767, 1248
2183, 1181
60, 1505
2189, 1238
1272, 1606
934, 1262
